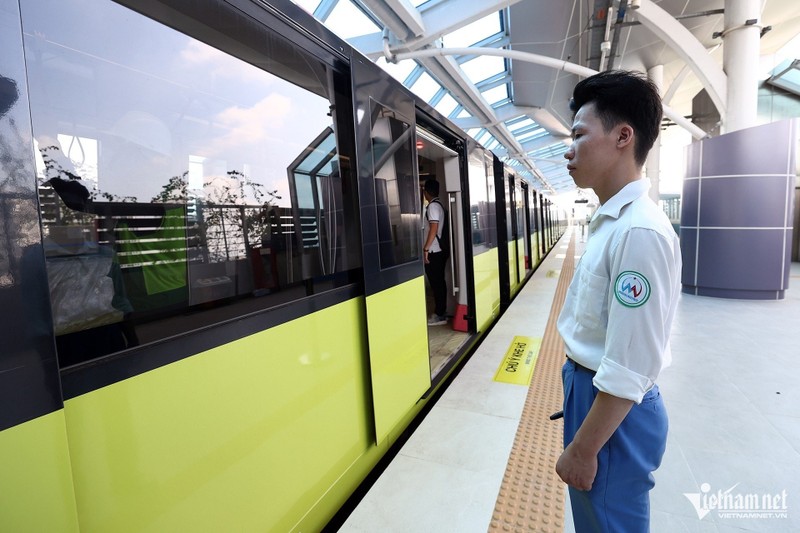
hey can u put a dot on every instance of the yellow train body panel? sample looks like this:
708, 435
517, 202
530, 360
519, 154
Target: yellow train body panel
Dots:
487, 288
513, 267
35, 477
245, 437
398, 345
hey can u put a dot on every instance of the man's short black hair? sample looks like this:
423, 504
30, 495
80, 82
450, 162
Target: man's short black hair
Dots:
432, 187
623, 96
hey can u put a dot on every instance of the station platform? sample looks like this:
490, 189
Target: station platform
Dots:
483, 457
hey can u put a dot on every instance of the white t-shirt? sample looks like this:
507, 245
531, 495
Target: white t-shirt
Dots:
434, 213
619, 308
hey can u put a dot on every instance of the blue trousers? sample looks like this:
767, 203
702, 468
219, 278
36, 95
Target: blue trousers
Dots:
619, 501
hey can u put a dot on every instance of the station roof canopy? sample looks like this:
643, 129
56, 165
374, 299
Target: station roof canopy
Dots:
519, 108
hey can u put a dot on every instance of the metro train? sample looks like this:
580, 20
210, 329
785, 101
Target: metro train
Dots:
211, 267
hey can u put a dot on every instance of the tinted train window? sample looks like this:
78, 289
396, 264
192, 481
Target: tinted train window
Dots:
520, 208
179, 185
482, 202
510, 206
396, 190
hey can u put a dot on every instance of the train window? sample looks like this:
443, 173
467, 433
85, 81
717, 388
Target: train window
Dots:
397, 198
510, 207
181, 185
520, 203
482, 202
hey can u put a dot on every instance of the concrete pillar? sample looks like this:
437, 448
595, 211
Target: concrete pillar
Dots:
740, 61
653, 164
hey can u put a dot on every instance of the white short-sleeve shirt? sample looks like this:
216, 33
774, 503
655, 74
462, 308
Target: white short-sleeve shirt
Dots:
434, 213
619, 308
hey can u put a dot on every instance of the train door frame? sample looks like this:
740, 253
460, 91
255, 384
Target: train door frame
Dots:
513, 238
446, 151
530, 262
502, 209
394, 291
545, 240
534, 230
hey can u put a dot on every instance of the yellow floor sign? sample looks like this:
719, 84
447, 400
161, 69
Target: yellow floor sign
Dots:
517, 365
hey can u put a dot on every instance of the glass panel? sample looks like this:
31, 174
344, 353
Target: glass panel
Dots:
398, 71
519, 124
473, 33
497, 94
520, 207
426, 87
482, 202
510, 214
396, 190
483, 67
309, 5
446, 105
348, 21
180, 186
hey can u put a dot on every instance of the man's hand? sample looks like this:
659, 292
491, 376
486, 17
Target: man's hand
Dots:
577, 466
576, 469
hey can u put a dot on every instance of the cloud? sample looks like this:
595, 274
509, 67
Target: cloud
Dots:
218, 63
253, 125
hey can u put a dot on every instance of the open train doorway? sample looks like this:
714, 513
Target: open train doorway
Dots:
446, 296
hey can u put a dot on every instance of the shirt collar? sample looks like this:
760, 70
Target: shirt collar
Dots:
626, 195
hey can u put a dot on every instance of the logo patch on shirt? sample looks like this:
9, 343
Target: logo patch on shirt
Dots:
631, 289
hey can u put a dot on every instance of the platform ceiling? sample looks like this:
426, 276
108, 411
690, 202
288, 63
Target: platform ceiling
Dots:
520, 109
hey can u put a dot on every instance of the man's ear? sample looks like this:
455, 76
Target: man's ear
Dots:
624, 136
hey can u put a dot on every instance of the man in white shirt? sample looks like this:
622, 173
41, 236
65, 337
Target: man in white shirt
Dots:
434, 257
618, 311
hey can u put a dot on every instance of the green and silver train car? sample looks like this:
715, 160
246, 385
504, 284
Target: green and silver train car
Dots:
211, 279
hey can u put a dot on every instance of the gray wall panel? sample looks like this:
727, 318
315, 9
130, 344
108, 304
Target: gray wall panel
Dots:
688, 252
689, 205
744, 202
693, 153
740, 259
758, 150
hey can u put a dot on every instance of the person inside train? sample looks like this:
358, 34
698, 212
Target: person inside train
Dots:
618, 311
434, 253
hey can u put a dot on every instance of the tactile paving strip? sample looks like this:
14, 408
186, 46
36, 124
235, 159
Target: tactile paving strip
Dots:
531, 496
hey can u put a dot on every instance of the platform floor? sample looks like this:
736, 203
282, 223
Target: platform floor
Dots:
731, 395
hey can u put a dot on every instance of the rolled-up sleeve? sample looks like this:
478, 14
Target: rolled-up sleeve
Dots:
640, 310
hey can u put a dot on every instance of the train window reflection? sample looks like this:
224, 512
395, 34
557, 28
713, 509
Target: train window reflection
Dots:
397, 197
180, 186
482, 202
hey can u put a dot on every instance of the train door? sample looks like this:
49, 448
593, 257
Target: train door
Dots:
438, 160
391, 218
533, 213
542, 227
484, 220
512, 197
521, 231
525, 228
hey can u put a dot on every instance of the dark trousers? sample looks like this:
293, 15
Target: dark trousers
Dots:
434, 269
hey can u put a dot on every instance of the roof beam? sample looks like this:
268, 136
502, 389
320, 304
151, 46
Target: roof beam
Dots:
533, 58
672, 32
438, 20
398, 14
449, 74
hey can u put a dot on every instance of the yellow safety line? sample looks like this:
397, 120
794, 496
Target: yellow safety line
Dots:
531, 496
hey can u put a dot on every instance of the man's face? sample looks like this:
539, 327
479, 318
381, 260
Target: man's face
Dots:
593, 151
